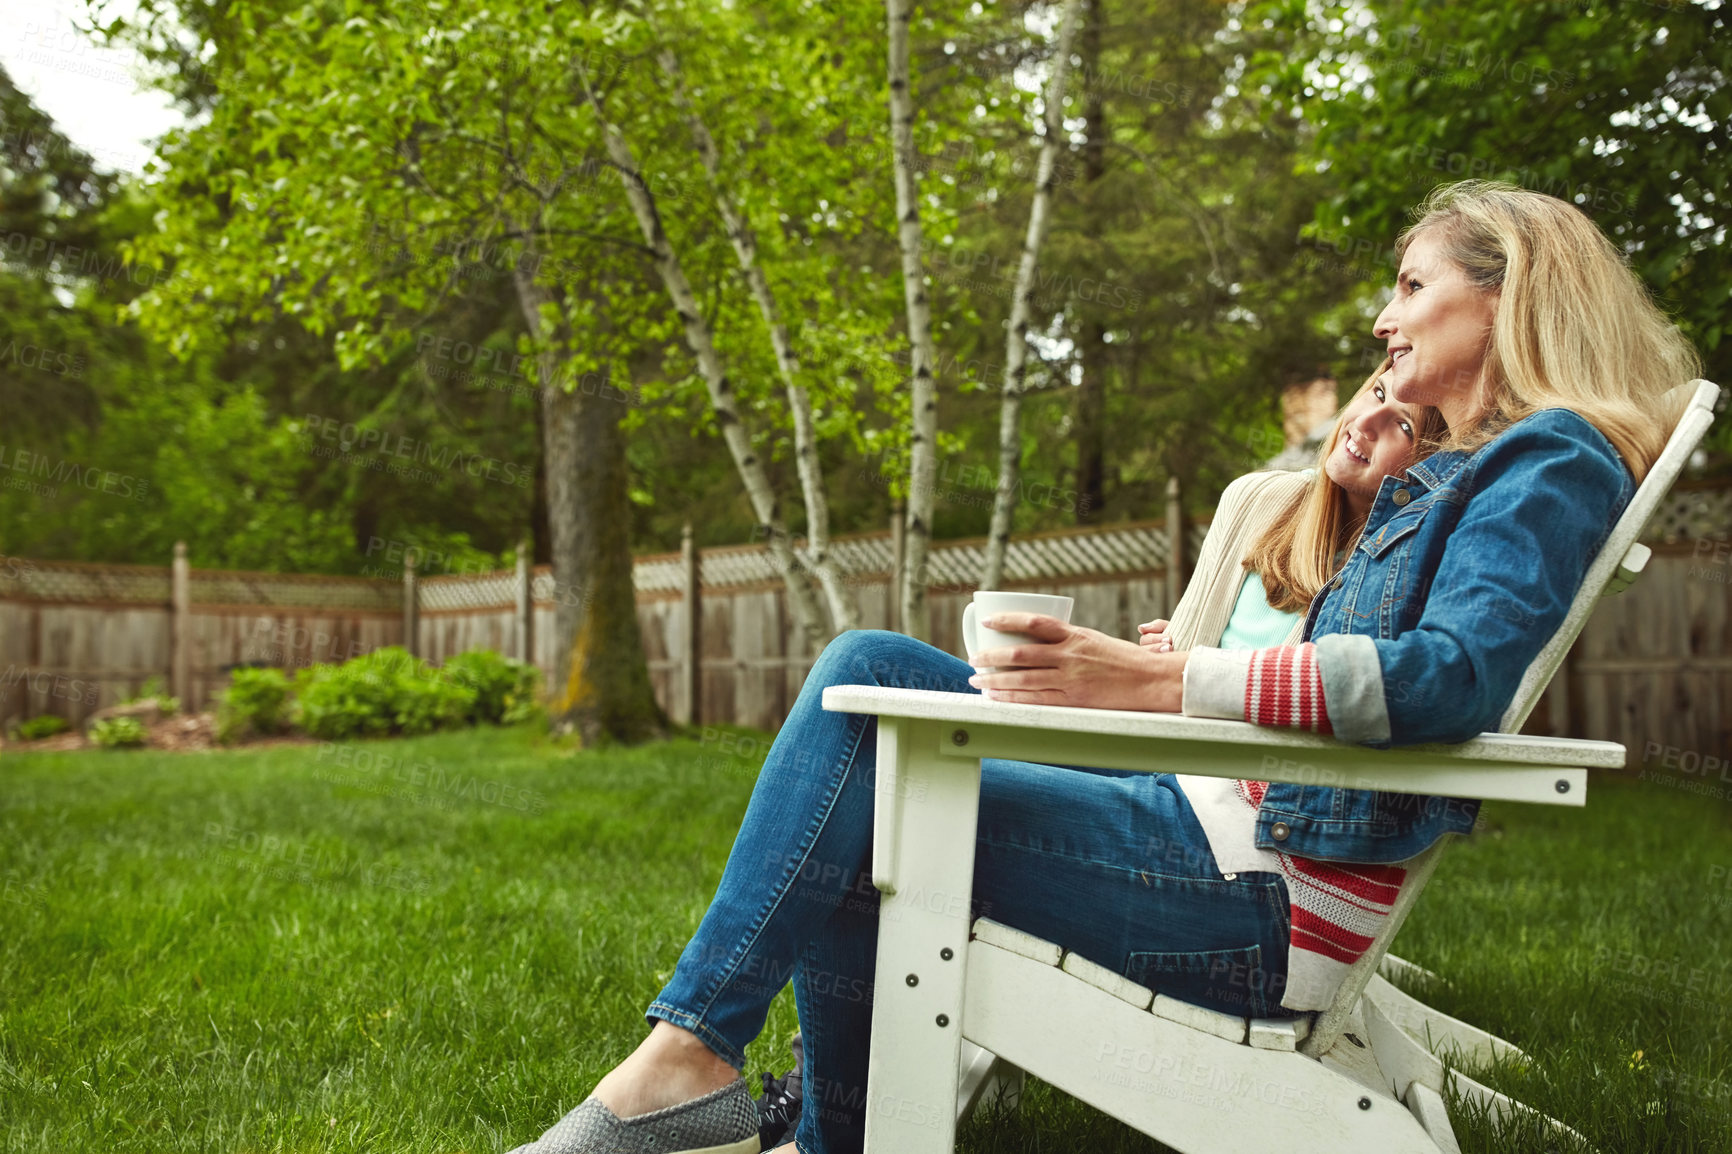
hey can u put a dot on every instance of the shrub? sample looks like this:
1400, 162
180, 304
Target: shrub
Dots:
521, 706
340, 701
385, 691
154, 688
256, 702
426, 702
118, 732
46, 725
505, 688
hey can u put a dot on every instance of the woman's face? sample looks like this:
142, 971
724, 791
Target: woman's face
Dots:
1438, 328
1377, 440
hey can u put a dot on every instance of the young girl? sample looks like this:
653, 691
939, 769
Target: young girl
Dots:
1277, 538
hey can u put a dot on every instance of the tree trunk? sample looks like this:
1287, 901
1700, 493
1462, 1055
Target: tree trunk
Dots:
366, 523
541, 531
1016, 339
1091, 399
1091, 395
923, 422
765, 506
844, 611
600, 686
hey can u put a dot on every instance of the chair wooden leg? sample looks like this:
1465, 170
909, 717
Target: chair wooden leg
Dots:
986, 1079
1503, 1110
1426, 1104
1409, 1064
1441, 1033
914, 1074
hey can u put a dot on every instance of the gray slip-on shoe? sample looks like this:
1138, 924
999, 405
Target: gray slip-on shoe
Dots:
722, 1122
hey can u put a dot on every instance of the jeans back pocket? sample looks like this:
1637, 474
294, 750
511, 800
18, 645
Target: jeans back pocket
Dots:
1232, 981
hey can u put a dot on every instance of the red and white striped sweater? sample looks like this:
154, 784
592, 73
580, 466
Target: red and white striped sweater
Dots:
1337, 909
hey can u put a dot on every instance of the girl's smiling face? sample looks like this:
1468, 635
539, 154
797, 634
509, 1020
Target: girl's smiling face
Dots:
1378, 437
1438, 327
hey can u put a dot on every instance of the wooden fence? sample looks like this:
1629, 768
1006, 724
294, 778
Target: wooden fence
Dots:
749, 673
75, 637
1652, 670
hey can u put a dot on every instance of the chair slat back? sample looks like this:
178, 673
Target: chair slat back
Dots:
1692, 426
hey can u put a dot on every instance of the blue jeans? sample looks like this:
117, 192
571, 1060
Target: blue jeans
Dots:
1110, 864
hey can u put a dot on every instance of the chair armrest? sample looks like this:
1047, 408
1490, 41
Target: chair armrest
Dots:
1492, 766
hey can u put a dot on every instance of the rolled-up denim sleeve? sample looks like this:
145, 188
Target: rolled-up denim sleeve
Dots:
1544, 497
1352, 672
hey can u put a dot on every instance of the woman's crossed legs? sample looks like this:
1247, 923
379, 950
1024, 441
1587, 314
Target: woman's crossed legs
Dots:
1111, 865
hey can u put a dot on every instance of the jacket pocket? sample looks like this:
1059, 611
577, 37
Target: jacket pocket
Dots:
1392, 533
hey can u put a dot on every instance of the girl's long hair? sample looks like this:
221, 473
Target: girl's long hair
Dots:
1296, 555
1574, 327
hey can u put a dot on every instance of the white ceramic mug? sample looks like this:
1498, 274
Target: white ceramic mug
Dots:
976, 637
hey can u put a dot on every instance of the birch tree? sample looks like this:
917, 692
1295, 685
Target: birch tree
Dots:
844, 612
1016, 335
750, 466
923, 421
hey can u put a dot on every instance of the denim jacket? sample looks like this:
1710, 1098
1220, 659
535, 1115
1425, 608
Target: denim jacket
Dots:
1465, 568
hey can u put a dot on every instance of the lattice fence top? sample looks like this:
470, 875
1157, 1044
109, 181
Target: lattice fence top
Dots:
1690, 512
72, 581
1106, 551
75, 582
469, 591
295, 591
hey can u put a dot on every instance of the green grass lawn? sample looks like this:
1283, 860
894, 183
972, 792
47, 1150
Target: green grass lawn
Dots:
273, 951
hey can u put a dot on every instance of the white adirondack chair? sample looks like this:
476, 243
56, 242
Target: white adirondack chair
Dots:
962, 1009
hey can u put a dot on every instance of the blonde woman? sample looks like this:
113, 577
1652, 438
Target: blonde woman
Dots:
1519, 323
1558, 380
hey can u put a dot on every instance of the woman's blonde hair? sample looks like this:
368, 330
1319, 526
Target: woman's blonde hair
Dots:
1296, 555
1574, 327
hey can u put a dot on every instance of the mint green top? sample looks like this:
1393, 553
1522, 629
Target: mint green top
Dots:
1253, 624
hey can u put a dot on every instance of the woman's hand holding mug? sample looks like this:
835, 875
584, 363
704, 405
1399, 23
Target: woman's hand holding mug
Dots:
1063, 664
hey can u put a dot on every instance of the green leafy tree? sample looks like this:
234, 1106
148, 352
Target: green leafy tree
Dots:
54, 204
448, 159
1623, 109
1172, 300
116, 449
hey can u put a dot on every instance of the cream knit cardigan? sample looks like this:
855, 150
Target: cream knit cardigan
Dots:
1326, 895
1244, 513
